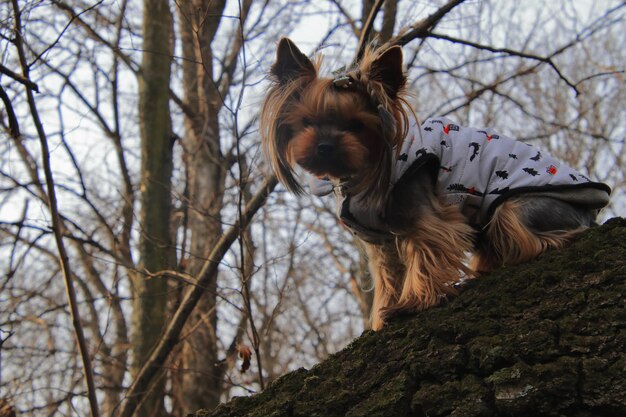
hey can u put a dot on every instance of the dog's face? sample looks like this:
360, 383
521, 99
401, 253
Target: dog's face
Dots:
344, 128
333, 132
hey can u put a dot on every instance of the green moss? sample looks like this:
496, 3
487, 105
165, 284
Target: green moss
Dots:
392, 398
541, 389
467, 397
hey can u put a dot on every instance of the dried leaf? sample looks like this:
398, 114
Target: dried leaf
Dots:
5, 409
245, 354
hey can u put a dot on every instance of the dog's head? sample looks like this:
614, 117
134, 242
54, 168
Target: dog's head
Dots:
343, 127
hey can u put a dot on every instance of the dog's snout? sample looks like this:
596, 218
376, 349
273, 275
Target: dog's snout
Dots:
325, 149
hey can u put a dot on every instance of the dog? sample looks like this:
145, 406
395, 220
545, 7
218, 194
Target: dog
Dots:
421, 197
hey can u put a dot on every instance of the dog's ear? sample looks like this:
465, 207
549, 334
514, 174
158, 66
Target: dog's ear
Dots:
387, 69
291, 63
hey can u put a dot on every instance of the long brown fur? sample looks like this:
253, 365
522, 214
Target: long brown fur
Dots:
511, 242
303, 94
361, 119
431, 254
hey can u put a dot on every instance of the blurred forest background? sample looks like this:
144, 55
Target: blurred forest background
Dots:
131, 282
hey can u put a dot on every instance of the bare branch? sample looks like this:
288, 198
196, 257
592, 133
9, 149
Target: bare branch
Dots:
14, 127
508, 51
367, 29
76, 17
423, 28
20, 79
346, 15
160, 353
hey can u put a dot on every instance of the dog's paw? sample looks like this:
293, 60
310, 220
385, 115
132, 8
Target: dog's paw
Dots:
399, 310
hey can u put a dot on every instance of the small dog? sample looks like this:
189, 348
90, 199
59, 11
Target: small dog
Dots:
421, 197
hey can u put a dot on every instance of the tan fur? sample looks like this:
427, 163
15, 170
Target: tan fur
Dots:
275, 106
385, 266
509, 242
432, 254
302, 146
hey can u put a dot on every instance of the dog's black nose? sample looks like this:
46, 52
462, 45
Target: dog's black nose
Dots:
325, 149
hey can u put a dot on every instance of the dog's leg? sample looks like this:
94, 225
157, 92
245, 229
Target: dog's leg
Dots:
523, 228
433, 240
434, 254
387, 271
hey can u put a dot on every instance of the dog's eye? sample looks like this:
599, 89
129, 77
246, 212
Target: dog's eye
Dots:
355, 125
306, 122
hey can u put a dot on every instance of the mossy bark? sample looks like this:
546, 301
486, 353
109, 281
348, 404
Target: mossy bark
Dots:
545, 338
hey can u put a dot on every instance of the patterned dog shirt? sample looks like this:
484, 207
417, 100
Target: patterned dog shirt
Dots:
477, 169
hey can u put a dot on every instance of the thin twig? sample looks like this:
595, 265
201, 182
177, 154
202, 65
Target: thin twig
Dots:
547, 60
3, 339
424, 27
600, 74
367, 29
20, 79
53, 44
14, 126
243, 172
347, 16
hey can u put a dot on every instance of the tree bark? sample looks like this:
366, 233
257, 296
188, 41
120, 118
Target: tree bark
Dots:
545, 338
156, 249
201, 372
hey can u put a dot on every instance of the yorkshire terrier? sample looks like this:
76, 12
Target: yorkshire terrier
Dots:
420, 196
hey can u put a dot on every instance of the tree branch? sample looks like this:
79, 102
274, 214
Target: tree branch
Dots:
367, 29
160, 353
347, 16
14, 126
20, 79
424, 27
546, 60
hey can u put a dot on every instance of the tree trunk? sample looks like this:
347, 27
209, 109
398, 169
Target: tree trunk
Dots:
201, 372
545, 338
156, 249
